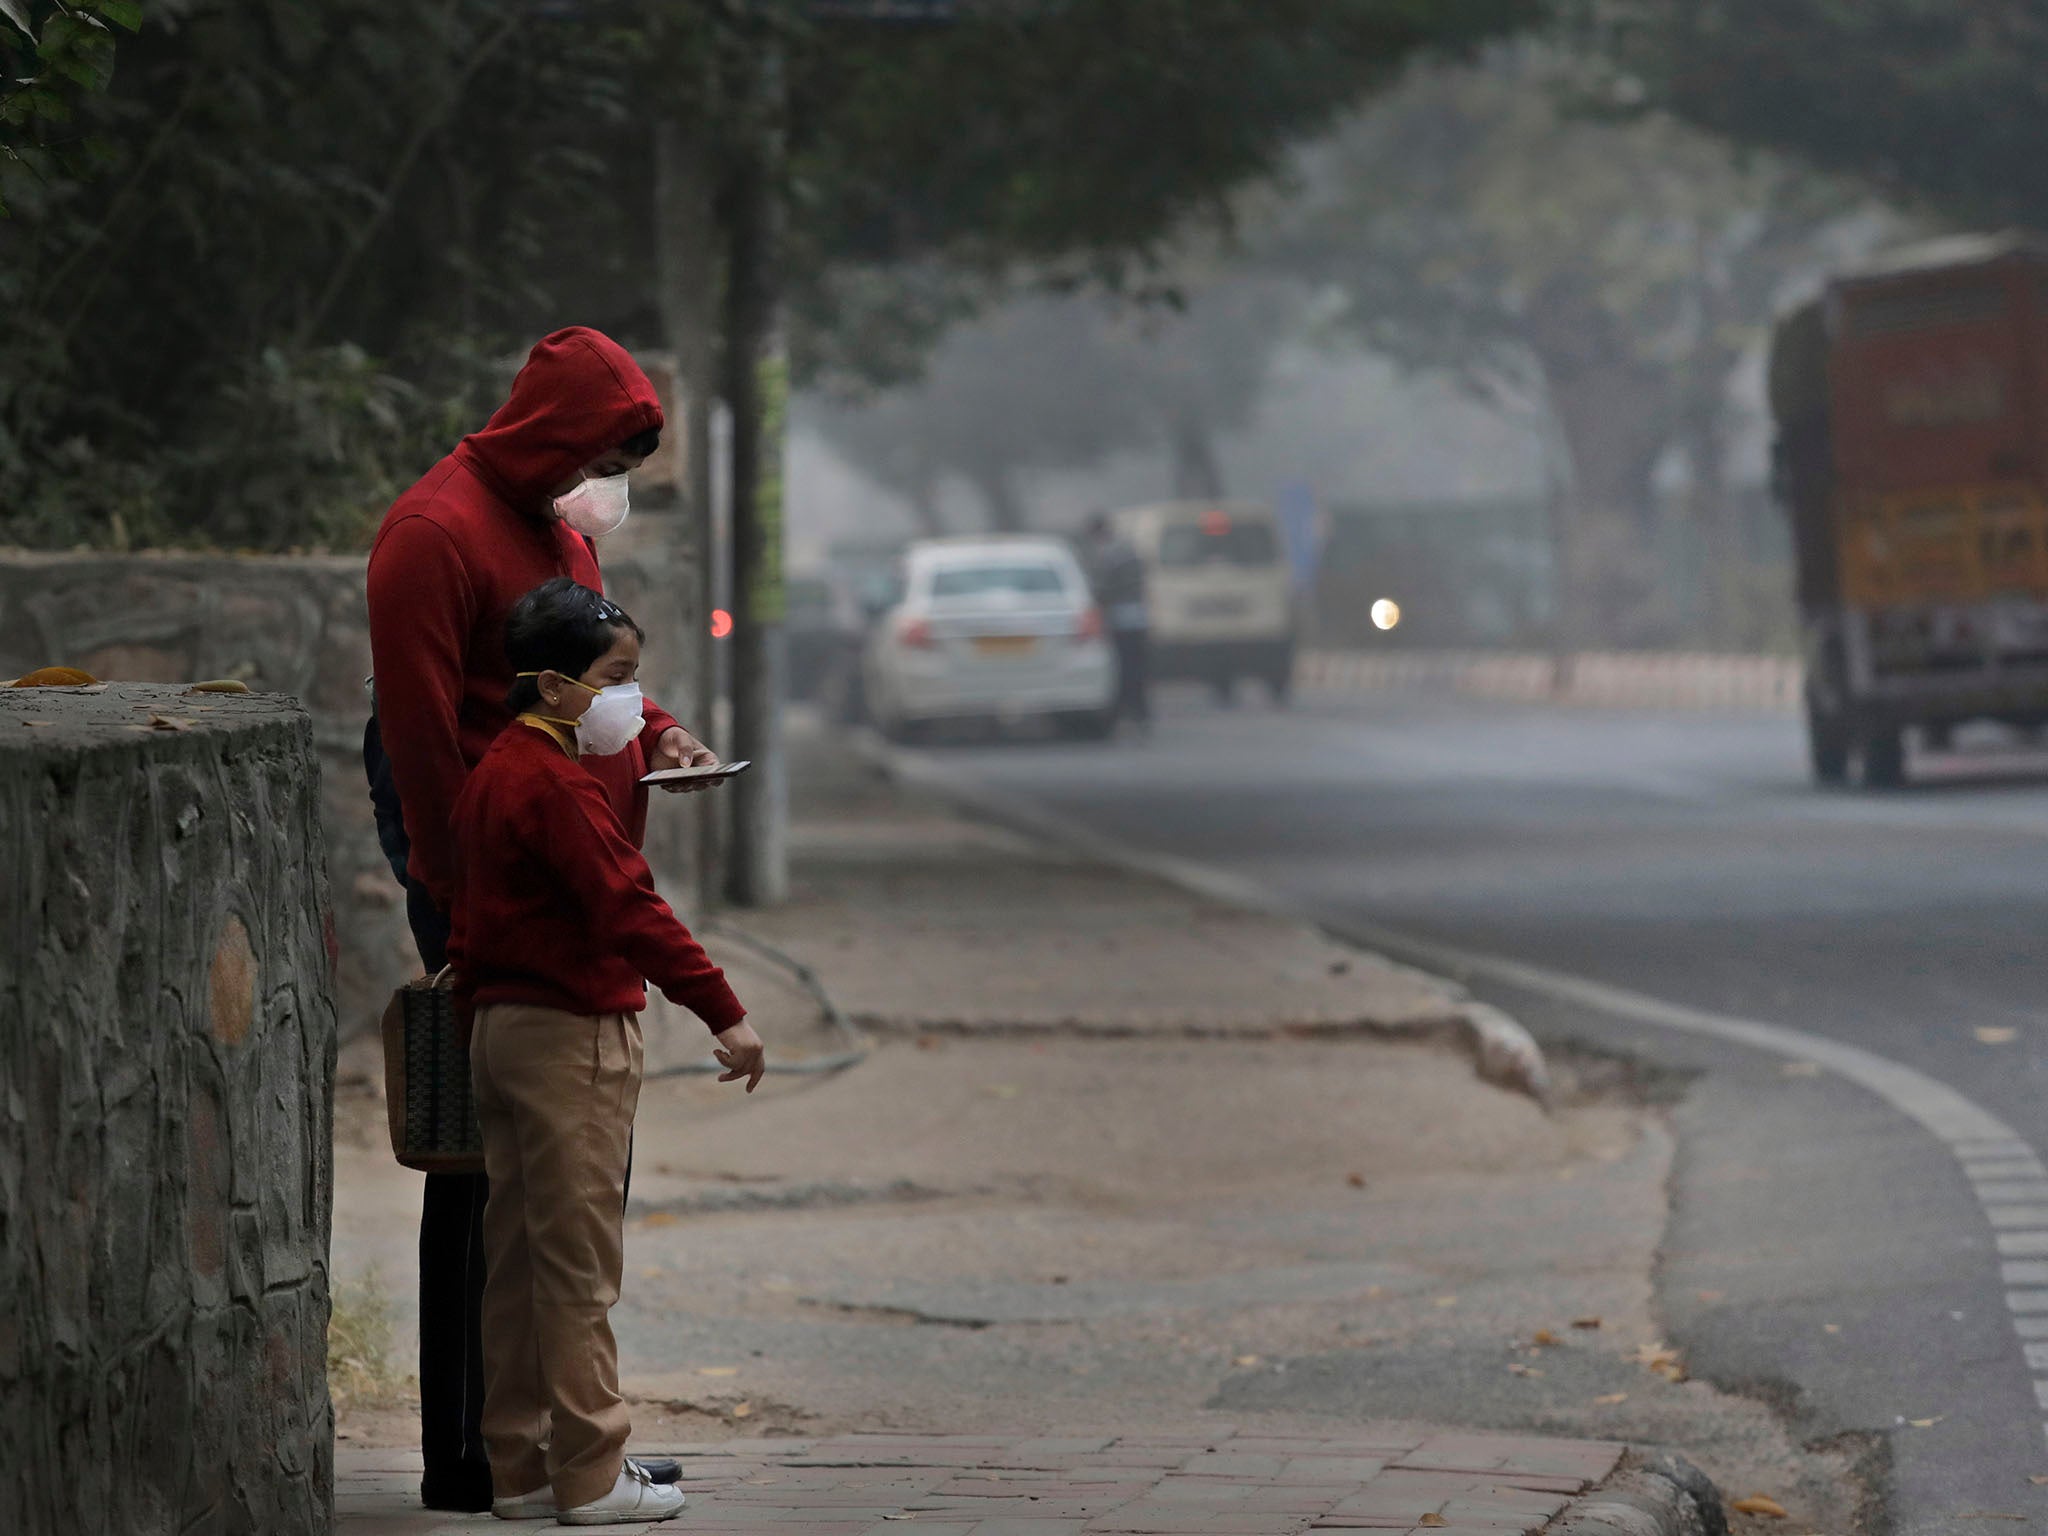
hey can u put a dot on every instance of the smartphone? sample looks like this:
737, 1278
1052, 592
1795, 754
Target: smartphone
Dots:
710, 773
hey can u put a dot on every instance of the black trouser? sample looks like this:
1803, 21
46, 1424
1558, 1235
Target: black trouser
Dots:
1133, 673
451, 1226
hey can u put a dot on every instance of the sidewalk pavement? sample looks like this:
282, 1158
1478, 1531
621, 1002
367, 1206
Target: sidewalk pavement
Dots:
1119, 1165
1392, 1478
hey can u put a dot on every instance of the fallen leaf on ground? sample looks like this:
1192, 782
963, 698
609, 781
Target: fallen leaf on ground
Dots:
1356, 1181
924, 1043
1447, 1301
168, 723
1002, 1091
1830, 1327
1662, 1360
1246, 1360
1758, 1504
2039, 1482
1800, 1069
1999, 1036
1518, 1369
1710, 1297
718, 1370
743, 1411
1543, 1338
1927, 1423
38, 722
1585, 1322
1611, 1399
651, 1272
1432, 1521
659, 1219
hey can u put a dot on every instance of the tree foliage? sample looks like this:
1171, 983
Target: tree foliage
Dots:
1931, 100
1605, 278
319, 226
53, 54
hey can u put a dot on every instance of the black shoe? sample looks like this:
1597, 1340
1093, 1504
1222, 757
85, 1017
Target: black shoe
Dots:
659, 1469
466, 1490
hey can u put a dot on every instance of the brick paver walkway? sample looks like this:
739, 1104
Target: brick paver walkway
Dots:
1395, 1478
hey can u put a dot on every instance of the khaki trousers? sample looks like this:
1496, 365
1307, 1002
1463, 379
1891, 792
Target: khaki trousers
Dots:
555, 1096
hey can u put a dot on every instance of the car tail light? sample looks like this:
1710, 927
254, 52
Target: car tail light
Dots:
1090, 627
917, 634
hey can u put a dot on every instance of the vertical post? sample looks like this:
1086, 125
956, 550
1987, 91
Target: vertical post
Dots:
686, 254
756, 392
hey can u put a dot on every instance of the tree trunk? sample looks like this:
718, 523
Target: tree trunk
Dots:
924, 499
1613, 425
1197, 475
997, 484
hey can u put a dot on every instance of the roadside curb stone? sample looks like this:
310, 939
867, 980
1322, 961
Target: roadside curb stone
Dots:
1663, 1496
1503, 1052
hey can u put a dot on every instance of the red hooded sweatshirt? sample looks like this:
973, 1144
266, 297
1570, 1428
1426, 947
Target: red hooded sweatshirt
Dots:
476, 534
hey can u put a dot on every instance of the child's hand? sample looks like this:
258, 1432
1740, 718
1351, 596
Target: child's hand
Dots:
742, 1054
679, 749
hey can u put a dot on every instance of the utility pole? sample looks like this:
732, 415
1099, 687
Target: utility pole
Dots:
755, 371
757, 392
686, 255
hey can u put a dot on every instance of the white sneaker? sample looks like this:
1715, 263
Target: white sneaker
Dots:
633, 1498
538, 1505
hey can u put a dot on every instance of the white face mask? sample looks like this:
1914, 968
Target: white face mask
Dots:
595, 507
612, 721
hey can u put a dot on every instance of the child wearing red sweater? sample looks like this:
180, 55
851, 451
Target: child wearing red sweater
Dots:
556, 922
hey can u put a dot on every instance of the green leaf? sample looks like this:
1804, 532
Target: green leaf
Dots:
125, 14
16, 11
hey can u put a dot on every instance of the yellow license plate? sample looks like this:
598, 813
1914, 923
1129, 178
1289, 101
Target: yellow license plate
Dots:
1006, 645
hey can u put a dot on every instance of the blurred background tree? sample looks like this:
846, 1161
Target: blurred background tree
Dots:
1604, 278
319, 230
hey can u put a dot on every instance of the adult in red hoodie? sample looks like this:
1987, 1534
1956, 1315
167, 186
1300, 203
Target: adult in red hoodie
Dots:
474, 535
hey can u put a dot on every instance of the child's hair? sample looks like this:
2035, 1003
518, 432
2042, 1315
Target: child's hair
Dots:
560, 626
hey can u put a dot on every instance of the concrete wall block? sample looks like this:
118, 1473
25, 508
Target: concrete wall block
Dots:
166, 1059
295, 625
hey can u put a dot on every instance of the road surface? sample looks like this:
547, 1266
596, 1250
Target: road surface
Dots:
1855, 985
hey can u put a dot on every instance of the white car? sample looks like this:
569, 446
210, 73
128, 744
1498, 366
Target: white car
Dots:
991, 629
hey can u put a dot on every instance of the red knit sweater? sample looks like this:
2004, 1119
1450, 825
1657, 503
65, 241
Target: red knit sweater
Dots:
459, 549
554, 905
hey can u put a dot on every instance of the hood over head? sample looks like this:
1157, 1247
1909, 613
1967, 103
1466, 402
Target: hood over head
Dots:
579, 395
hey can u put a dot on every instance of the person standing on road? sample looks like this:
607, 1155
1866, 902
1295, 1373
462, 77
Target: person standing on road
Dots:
1117, 573
556, 923
513, 505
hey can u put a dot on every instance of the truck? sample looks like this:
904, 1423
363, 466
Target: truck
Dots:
1910, 405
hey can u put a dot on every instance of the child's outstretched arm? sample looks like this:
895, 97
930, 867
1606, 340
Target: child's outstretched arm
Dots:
598, 864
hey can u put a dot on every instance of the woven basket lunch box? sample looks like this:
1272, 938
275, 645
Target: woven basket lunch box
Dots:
428, 1091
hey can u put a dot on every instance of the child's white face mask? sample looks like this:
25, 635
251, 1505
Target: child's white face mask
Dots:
595, 507
612, 722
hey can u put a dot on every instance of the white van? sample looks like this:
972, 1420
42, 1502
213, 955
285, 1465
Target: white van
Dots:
1220, 591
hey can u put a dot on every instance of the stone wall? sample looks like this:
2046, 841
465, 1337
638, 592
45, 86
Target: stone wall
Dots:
297, 625
167, 1043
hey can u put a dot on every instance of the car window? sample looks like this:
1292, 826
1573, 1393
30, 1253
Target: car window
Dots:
974, 580
1234, 543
